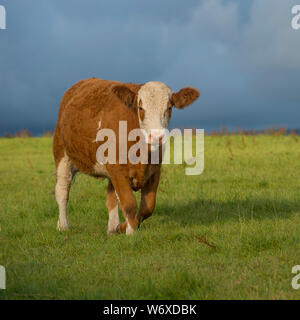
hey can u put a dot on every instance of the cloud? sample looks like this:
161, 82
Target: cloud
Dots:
269, 41
248, 71
243, 56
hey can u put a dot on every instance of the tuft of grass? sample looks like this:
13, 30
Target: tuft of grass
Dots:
246, 204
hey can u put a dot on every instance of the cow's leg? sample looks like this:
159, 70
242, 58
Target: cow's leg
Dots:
148, 198
64, 176
112, 207
127, 203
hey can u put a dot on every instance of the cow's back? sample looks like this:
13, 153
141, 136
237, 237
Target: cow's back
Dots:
85, 108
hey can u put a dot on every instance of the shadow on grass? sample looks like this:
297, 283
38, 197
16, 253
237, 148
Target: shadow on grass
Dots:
206, 212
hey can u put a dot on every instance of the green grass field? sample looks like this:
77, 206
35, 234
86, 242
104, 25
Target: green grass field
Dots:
246, 203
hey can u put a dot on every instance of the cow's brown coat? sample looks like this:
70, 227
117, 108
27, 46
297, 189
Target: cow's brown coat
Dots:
94, 101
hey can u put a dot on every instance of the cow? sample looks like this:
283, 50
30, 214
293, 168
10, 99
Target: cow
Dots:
94, 103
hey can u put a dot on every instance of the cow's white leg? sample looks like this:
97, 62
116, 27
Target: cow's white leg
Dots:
128, 204
113, 220
129, 229
112, 202
64, 176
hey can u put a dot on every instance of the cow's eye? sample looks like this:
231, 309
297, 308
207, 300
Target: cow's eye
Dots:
168, 112
141, 110
142, 113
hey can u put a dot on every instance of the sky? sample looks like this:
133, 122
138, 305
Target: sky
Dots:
243, 56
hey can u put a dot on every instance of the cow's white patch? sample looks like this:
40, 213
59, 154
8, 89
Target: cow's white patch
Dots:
154, 96
113, 221
129, 229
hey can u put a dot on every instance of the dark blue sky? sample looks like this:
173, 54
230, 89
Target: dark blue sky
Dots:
242, 55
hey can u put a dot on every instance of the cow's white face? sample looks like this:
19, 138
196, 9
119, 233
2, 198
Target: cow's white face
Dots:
154, 110
153, 103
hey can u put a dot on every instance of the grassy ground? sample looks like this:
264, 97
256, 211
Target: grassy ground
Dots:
247, 203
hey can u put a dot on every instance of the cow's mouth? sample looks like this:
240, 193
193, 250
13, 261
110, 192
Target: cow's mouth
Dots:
157, 137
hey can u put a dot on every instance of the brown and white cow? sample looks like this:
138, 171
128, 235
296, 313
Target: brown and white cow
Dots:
92, 103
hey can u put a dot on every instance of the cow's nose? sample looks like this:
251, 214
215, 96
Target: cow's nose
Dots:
156, 136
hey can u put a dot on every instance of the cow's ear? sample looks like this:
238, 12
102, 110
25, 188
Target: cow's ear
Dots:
126, 95
184, 97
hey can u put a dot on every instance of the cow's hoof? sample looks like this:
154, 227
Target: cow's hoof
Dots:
112, 232
62, 226
129, 230
113, 224
121, 228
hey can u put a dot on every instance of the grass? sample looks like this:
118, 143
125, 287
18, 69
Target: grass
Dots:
246, 203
